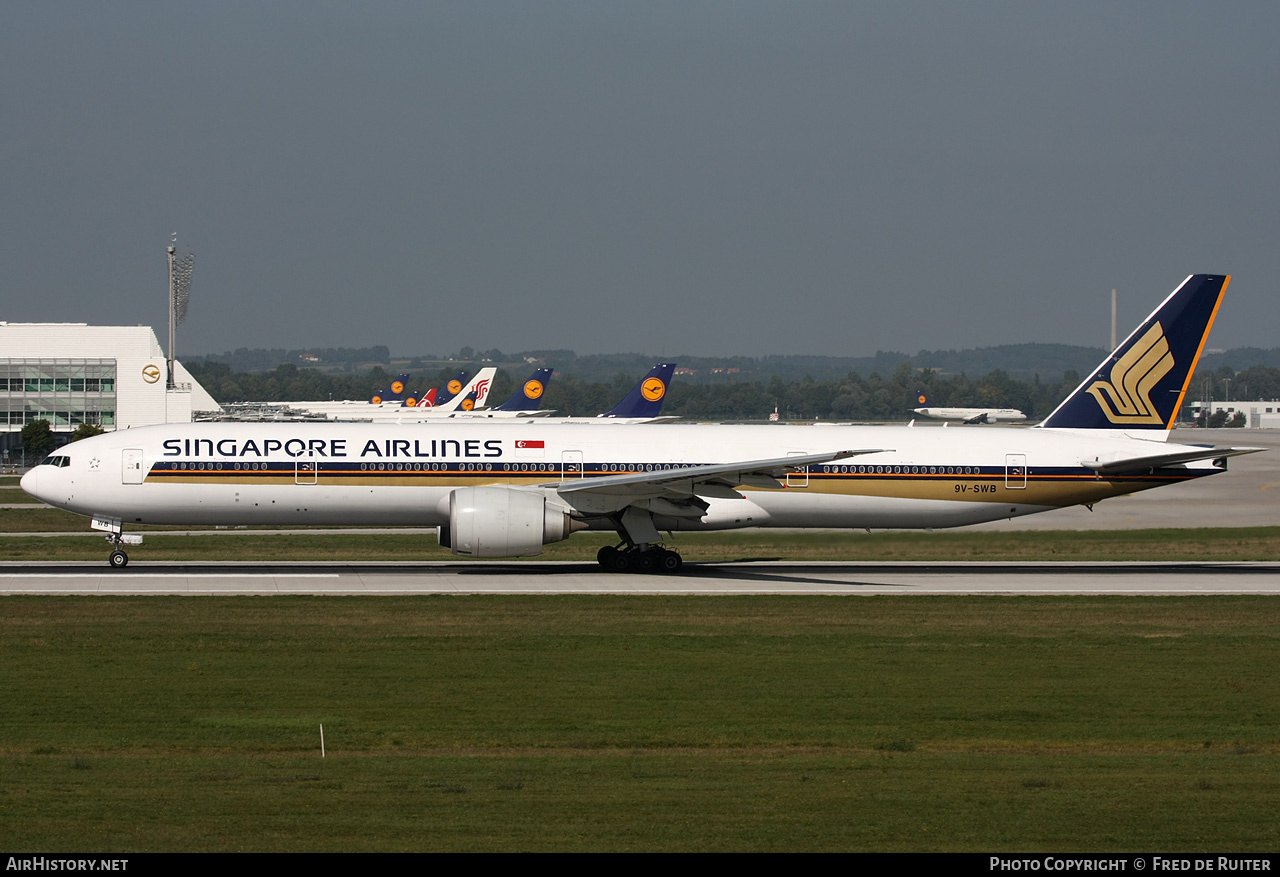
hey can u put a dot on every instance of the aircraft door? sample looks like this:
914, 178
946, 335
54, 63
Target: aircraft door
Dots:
131, 466
570, 465
305, 472
799, 478
1015, 471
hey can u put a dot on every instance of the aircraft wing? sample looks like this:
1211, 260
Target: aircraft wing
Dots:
980, 417
689, 481
1130, 464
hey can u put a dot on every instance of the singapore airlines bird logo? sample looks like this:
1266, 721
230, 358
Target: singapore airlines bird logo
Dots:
1126, 398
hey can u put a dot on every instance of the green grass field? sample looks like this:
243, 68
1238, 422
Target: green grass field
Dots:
1257, 543
612, 723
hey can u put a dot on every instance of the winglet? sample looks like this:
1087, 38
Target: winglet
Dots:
1143, 383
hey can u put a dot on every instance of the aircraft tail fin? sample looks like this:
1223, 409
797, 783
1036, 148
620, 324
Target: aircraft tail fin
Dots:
529, 396
452, 388
472, 395
419, 400
922, 401
394, 391
646, 398
1142, 384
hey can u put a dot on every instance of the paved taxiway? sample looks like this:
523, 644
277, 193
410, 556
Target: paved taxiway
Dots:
772, 577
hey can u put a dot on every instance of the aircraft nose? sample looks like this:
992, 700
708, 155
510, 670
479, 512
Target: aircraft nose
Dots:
31, 482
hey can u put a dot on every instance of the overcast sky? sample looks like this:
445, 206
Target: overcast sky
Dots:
700, 178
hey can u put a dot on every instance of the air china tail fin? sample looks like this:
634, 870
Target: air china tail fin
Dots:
451, 389
472, 395
1142, 384
529, 396
645, 400
394, 391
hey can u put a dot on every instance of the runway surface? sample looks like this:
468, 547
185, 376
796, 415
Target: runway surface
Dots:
773, 577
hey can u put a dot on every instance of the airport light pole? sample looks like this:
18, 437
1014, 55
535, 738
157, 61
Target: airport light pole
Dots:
180, 270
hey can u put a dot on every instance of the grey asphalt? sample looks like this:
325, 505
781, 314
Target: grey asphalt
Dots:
547, 578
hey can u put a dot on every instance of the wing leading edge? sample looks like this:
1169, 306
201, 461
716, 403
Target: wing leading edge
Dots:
687, 481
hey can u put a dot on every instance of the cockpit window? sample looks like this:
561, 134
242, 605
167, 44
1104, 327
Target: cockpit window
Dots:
59, 460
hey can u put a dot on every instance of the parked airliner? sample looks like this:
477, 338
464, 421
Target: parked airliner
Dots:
506, 489
967, 415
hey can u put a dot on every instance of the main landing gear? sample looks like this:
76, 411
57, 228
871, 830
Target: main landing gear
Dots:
641, 559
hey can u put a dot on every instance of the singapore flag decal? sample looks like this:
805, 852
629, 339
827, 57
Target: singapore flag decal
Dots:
530, 448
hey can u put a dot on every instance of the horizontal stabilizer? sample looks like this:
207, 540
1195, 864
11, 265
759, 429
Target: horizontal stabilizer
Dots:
1156, 461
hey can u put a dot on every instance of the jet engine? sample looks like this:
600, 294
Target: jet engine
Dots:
503, 522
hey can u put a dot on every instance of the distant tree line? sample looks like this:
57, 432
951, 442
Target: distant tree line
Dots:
852, 397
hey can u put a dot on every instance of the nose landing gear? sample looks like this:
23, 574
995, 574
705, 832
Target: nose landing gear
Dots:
117, 537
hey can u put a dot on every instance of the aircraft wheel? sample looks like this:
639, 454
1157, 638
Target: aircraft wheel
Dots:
670, 562
647, 562
623, 561
607, 556
119, 560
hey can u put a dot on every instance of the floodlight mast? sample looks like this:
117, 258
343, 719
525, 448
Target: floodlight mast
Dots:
180, 271
173, 322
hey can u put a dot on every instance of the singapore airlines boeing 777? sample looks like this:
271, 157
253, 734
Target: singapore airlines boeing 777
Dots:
505, 489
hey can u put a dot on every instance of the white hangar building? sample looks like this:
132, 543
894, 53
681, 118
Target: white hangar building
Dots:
73, 373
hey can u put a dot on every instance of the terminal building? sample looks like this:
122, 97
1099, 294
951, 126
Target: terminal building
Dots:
73, 373
1262, 414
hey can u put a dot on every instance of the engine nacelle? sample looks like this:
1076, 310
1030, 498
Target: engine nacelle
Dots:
503, 522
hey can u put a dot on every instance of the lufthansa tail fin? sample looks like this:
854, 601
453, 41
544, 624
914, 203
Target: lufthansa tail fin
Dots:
394, 391
922, 400
471, 396
419, 400
645, 400
529, 396
451, 389
1142, 384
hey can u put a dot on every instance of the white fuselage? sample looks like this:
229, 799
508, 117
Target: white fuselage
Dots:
403, 474
977, 415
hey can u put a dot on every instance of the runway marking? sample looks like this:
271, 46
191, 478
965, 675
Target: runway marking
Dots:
174, 575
